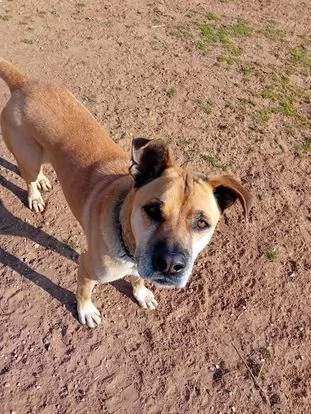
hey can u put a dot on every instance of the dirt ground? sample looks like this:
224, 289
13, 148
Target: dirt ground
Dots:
228, 84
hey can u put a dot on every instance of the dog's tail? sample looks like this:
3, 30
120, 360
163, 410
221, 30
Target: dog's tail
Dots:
12, 76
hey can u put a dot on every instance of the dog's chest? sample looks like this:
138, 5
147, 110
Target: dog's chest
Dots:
112, 269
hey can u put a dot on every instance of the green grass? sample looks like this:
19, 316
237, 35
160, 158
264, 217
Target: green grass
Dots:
270, 93
301, 59
230, 55
27, 41
285, 98
286, 108
212, 16
272, 32
266, 358
172, 92
248, 70
182, 33
215, 32
201, 45
215, 162
241, 29
306, 148
290, 129
206, 107
5, 17
70, 244
184, 142
300, 56
272, 255
266, 354
283, 94
212, 34
262, 116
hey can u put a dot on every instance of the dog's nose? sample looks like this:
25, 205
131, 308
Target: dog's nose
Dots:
169, 263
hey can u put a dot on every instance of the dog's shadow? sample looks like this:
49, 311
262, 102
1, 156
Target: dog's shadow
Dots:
13, 226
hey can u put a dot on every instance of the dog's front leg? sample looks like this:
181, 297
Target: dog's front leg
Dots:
144, 296
87, 312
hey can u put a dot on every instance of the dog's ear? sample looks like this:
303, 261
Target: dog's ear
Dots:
149, 159
226, 191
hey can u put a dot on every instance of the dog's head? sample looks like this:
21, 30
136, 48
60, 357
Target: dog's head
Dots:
174, 213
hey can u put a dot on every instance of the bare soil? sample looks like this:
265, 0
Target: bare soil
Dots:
228, 84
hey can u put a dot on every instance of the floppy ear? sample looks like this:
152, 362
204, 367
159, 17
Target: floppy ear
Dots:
227, 189
149, 159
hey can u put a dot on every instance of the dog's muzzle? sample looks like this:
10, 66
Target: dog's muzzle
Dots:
169, 263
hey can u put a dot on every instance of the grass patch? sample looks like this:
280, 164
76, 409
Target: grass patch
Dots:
184, 142
290, 129
248, 71
241, 29
272, 255
260, 362
230, 55
212, 16
285, 98
172, 92
301, 58
182, 33
201, 45
270, 93
306, 148
206, 107
262, 116
215, 162
5, 17
81, 3
27, 41
286, 108
70, 244
272, 32
212, 34
216, 32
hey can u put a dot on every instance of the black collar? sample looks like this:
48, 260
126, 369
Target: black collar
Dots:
125, 251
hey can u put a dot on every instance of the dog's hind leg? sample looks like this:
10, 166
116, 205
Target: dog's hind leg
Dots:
29, 157
144, 296
87, 312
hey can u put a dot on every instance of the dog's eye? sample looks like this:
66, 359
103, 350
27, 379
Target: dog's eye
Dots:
154, 211
201, 225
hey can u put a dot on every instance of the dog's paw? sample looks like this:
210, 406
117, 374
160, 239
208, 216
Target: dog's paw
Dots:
89, 315
43, 183
145, 298
36, 203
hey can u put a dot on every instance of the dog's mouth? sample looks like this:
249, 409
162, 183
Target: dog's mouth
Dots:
165, 282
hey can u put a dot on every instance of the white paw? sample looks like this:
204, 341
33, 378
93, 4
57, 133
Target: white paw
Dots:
89, 315
43, 183
145, 298
36, 203
35, 200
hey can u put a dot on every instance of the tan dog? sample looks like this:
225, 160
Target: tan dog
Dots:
142, 215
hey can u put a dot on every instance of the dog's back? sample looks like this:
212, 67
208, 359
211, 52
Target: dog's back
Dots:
46, 122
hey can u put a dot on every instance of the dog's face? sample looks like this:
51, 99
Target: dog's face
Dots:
174, 213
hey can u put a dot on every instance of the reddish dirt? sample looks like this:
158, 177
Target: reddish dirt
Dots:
242, 311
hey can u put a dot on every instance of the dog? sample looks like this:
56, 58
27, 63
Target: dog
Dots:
143, 216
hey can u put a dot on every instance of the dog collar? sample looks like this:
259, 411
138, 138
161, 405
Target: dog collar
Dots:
125, 248
125, 253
